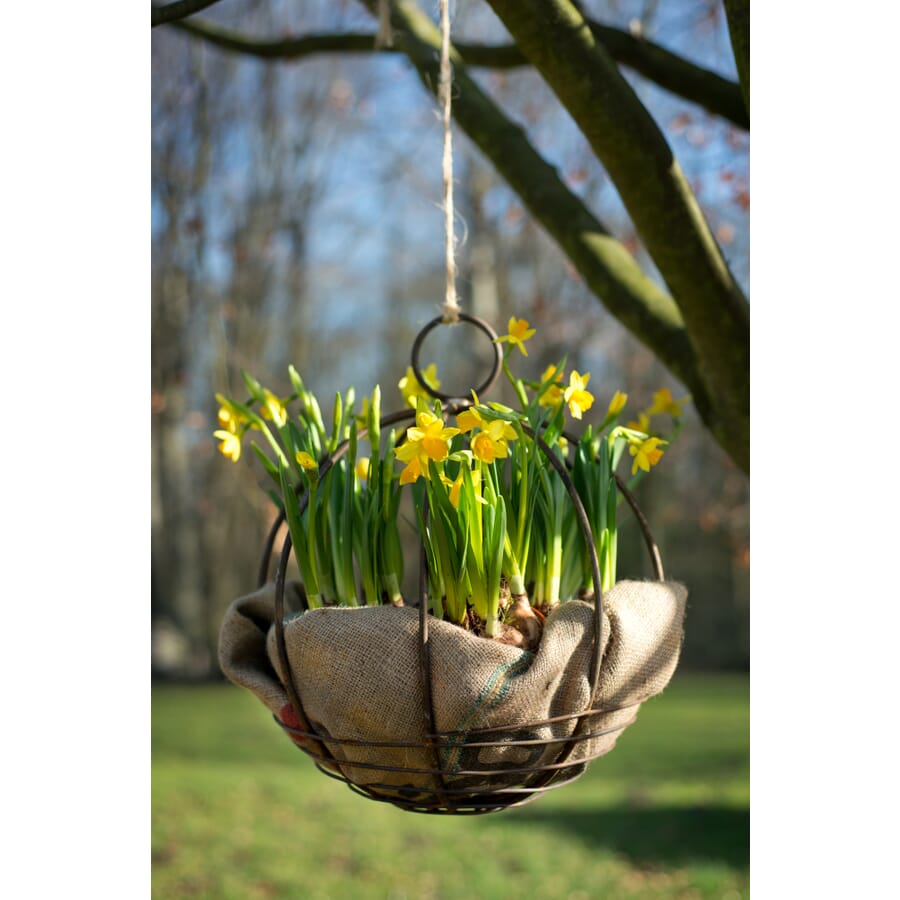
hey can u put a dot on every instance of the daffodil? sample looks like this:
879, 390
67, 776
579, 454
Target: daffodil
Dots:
519, 332
433, 436
468, 420
229, 415
231, 441
428, 440
579, 399
491, 442
416, 462
663, 403
273, 408
411, 387
642, 424
412, 472
362, 468
306, 461
553, 394
617, 404
646, 453
456, 486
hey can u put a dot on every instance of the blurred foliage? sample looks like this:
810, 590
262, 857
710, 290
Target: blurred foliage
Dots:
296, 220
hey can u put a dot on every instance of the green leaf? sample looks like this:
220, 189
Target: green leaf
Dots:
267, 463
297, 382
276, 499
254, 388
373, 423
499, 411
619, 444
298, 532
338, 413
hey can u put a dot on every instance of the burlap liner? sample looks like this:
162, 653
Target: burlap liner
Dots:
358, 675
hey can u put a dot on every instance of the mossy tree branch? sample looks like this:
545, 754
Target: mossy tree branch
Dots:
173, 12
679, 76
628, 142
737, 12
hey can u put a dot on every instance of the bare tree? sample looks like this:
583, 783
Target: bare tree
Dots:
250, 167
228, 257
699, 328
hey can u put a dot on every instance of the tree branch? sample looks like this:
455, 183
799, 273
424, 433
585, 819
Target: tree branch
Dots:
609, 270
737, 12
172, 12
694, 83
676, 75
290, 48
561, 46
704, 340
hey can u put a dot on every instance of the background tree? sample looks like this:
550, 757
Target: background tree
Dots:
701, 330
295, 218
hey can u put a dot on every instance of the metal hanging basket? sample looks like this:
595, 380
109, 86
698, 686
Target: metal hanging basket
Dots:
455, 790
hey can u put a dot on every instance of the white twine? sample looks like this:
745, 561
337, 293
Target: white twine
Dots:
451, 303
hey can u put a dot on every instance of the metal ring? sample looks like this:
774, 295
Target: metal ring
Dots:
481, 325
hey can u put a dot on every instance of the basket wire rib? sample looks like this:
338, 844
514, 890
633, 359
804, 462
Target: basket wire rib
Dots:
536, 780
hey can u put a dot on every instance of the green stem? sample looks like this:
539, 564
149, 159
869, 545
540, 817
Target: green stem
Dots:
313, 587
517, 384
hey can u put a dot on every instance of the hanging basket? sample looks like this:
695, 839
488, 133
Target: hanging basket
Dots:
420, 713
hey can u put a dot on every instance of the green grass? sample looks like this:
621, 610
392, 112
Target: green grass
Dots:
239, 812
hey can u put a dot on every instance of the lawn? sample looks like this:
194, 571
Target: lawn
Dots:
238, 812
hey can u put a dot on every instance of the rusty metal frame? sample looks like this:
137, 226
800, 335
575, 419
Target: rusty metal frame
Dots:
445, 799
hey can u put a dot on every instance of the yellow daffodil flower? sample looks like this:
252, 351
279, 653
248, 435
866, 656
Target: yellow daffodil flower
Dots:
663, 403
646, 453
430, 439
491, 442
433, 435
469, 419
274, 409
456, 486
553, 395
451, 485
231, 442
617, 404
229, 416
642, 424
579, 399
411, 388
306, 461
519, 332
416, 461
362, 468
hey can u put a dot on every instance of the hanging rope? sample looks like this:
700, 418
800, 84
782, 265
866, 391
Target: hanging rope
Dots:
451, 303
